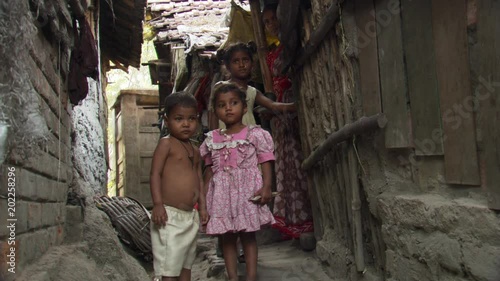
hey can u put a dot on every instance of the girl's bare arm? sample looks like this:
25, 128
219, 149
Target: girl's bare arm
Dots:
201, 199
207, 177
280, 107
267, 178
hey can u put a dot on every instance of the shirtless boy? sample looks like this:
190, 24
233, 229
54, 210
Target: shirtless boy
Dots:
176, 182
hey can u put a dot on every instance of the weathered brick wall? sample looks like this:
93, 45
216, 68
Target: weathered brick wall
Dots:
43, 171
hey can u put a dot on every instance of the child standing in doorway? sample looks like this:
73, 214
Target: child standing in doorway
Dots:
176, 184
232, 155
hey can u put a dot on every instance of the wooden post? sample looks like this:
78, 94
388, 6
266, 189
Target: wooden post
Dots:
260, 39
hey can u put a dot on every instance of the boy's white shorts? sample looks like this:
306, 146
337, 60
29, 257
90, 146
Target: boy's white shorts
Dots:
174, 245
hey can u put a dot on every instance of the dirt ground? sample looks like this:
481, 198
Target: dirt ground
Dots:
278, 261
101, 256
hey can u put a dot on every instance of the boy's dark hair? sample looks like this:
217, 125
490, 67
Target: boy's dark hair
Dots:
225, 87
179, 99
225, 55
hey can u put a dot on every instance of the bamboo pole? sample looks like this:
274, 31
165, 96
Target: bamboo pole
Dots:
360, 126
353, 173
308, 117
260, 38
343, 169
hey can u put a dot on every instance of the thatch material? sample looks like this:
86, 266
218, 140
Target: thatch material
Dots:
131, 220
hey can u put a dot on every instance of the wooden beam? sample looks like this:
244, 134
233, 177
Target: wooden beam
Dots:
449, 19
260, 38
361, 126
318, 35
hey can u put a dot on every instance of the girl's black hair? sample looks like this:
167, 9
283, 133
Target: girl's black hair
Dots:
225, 87
179, 99
270, 7
225, 55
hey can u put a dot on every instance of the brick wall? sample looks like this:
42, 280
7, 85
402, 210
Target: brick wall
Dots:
43, 176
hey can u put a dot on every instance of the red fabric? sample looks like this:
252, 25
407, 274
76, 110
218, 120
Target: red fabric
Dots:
293, 231
292, 207
281, 83
200, 93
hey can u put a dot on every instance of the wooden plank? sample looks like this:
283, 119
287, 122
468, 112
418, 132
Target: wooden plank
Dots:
260, 37
368, 57
449, 23
418, 46
392, 76
488, 95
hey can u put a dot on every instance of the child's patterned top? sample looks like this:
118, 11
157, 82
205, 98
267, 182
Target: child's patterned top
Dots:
234, 159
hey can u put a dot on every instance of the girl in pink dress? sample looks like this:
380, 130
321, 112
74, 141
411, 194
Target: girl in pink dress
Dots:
232, 156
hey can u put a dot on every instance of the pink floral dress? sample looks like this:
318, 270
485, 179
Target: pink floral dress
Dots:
234, 159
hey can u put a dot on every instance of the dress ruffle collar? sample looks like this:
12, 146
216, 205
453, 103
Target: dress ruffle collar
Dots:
230, 143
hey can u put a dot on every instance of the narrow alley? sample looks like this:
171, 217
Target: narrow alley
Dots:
278, 261
364, 133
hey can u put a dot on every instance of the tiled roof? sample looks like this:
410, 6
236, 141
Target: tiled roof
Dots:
200, 24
